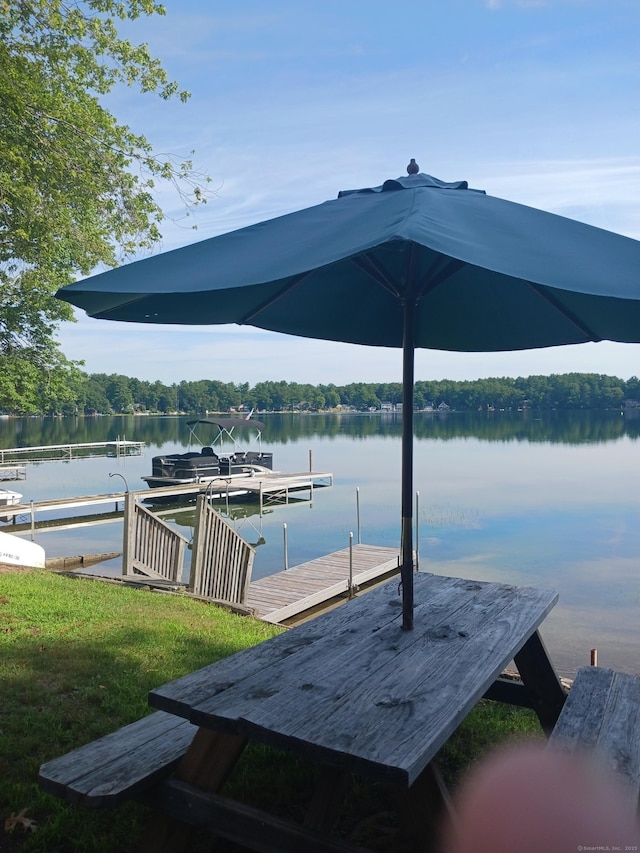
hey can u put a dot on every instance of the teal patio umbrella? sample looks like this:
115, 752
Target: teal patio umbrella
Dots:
415, 262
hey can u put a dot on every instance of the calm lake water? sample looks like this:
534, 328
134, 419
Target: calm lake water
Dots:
551, 500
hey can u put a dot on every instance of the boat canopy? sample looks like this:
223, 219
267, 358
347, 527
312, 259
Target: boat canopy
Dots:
228, 423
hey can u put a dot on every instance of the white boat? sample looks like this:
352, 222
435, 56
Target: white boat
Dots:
20, 552
8, 498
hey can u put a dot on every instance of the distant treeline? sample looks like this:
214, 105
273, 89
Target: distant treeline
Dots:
117, 394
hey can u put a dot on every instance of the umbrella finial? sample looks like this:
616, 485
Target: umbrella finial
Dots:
413, 168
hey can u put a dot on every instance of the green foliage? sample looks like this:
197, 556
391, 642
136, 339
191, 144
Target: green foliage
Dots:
75, 186
77, 659
39, 382
570, 391
27, 387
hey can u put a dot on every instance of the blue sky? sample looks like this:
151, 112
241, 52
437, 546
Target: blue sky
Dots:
536, 101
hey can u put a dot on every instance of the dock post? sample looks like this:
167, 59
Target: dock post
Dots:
311, 461
351, 593
358, 512
417, 566
128, 538
33, 522
286, 555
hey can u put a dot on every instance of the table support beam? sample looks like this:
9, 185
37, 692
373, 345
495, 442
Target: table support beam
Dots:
541, 681
509, 692
243, 824
422, 808
207, 764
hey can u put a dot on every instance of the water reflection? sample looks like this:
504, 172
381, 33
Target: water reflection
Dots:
571, 427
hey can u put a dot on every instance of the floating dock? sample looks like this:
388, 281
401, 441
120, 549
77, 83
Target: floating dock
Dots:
53, 452
292, 592
13, 472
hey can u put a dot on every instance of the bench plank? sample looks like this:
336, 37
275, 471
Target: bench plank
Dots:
602, 715
119, 765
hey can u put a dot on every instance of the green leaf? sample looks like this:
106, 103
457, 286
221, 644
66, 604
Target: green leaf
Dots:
75, 185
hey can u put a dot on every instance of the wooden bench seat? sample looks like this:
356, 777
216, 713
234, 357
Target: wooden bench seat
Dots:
119, 765
602, 715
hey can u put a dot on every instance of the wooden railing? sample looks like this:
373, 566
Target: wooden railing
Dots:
222, 561
150, 547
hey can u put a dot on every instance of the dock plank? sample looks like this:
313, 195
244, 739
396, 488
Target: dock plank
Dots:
291, 592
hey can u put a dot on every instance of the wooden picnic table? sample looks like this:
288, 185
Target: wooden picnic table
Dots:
354, 692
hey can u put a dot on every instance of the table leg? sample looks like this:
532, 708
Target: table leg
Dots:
327, 799
422, 809
539, 677
207, 764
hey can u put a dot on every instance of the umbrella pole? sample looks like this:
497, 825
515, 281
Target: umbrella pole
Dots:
406, 568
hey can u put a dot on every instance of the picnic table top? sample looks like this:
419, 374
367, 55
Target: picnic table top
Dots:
352, 689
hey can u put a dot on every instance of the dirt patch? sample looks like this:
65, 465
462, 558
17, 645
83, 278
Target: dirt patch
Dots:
8, 568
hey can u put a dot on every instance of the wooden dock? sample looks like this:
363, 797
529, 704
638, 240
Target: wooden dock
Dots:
289, 593
271, 488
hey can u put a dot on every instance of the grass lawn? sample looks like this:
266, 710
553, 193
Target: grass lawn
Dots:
77, 659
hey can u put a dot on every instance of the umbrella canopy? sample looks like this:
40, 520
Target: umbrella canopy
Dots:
415, 262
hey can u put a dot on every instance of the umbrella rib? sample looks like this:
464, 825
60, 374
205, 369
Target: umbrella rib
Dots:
571, 317
273, 299
376, 271
435, 277
98, 315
